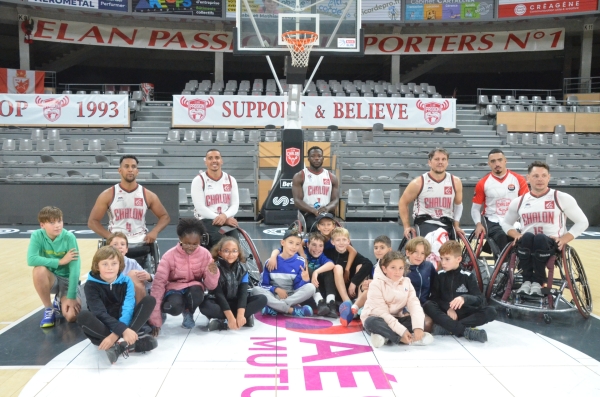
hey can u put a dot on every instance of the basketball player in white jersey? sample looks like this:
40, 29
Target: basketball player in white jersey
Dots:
437, 198
216, 198
126, 204
543, 214
315, 189
494, 192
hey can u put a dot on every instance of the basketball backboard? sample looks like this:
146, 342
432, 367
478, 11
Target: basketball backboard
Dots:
337, 23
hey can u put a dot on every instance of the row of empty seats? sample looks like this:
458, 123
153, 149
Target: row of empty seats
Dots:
60, 145
375, 206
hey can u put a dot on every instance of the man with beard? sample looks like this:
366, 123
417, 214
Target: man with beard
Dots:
216, 199
437, 198
315, 189
495, 191
127, 203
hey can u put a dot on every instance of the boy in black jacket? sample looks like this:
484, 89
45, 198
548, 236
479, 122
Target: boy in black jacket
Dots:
457, 305
112, 313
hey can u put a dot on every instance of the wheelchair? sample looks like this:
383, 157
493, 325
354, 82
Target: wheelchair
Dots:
147, 255
485, 250
469, 261
253, 262
567, 289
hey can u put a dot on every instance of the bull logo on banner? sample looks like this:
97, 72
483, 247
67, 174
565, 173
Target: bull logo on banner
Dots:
433, 110
197, 107
21, 82
51, 107
292, 156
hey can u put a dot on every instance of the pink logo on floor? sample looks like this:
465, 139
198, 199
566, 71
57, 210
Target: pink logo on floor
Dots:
319, 326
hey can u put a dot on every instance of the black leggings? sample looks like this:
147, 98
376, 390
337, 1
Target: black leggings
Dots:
533, 251
214, 235
467, 317
175, 302
211, 309
95, 329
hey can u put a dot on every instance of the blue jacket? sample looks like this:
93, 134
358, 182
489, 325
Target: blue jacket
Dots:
422, 277
315, 263
112, 304
287, 276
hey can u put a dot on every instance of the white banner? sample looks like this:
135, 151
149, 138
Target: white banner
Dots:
381, 44
191, 111
64, 110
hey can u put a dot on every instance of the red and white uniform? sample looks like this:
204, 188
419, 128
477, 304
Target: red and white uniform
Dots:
213, 197
316, 187
436, 198
496, 193
545, 214
127, 213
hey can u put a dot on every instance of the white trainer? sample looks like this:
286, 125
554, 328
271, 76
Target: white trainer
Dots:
427, 339
378, 340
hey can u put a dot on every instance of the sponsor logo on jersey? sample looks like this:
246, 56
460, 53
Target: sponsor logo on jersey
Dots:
138, 202
511, 187
226, 188
448, 190
549, 205
326, 181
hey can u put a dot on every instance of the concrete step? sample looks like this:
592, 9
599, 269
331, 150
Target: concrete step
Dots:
145, 117
144, 123
149, 130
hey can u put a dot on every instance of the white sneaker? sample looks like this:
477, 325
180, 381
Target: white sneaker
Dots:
425, 340
378, 340
525, 288
536, 289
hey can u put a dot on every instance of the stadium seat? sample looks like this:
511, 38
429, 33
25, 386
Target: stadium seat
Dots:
551, 101
512, 139
537, 100
95, 145
183, 199
222, 136
335, 136
206, 136
560, 129
560, 109
547, 109
270, 136
505, 108
436, 95
417, 90
523, 100
551, 159
9, 144
25, 145
351, 137
95, 92
355, 198
542, 139
501, 129
189, 136
411, 87
253, 136
557, 139
111, 145
77, 145
81, 92
572, 139
110, 92
47, 159
376, 198
319, 136
496, 100
100, 159
527, 139
510, 100
74, 174
393, 200
67, 92
238, 136
37, 134
173, 136
43, 145
519, 108
431, 90
53, 135
60, 146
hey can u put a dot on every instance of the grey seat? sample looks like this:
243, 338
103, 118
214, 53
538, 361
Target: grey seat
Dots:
101, 159
95, 145
351, 137
37, 134
501, 129
573, 139
542, 139
43, 145
512, 139
60, 146
551, 101
523, 100
394, 198
505, 108
557, 139
537, 100
253, 136
173, 136
270, 136
496, 100
81, 92
189, 136
319, 136
47, 159
376, 198
26, 145
560, 109
53, 135
527, 139
183, 199
238, 136
547, 109
206, 136
77, 145
551, 159
222, 136
355, 198
560, 129
335, 136
519, 108
74, 174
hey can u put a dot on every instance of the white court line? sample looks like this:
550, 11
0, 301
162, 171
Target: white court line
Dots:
25, 317
16, 367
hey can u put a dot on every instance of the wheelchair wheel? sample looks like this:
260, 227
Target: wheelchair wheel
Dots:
253, 262
500, 276
577, 281
469, 261
476, 244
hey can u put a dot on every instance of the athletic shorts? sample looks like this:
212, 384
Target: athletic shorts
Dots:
61, 287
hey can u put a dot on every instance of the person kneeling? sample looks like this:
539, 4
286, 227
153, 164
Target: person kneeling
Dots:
289, 284
231, 294
383, 315
112, 312
457, 305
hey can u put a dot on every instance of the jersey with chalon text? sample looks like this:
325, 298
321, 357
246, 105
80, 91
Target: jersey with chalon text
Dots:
316, 187
127, 213
436, 198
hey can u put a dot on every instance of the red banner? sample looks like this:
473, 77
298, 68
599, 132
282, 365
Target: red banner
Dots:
380, 44
526, 9
14, 81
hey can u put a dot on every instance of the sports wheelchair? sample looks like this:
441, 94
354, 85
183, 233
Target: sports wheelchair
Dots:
253, 262
469, 261
569, 292
147, 255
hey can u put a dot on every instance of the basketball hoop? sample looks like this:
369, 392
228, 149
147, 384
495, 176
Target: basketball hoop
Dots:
300, 42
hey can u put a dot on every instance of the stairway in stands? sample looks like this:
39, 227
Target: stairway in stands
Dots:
471, 123
153, 119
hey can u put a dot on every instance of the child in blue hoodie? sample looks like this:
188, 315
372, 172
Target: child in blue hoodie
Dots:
422, 272
112, 313
288, 284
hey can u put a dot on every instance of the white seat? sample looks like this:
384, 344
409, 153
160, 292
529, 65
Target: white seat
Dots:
43, 145
238, 136
189, 136
351, 137
60, 146
173, 135
26, 145
9, 144
95, 145
206, 136
222, 136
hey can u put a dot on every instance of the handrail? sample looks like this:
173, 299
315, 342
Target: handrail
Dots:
581, 85
516, 92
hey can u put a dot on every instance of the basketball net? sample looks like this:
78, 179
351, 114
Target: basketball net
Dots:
300, 42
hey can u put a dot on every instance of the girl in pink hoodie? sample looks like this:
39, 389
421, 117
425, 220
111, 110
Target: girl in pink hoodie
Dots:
183, 274
390, 293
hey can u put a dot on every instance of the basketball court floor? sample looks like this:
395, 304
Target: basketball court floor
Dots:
286, 356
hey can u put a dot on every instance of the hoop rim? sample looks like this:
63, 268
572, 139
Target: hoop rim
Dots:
307, 40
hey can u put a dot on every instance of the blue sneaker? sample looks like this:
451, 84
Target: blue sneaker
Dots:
304, 311
49, 318
188, 320
56, 304
346, 315
267, 311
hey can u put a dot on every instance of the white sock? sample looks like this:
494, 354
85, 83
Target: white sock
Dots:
330, 298
318, 297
